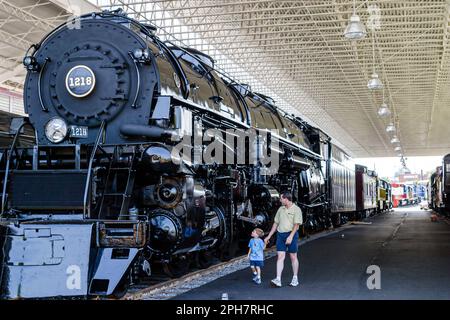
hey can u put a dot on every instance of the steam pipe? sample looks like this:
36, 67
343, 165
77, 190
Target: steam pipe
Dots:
146, 131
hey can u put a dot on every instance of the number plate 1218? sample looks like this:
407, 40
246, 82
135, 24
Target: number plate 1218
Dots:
78, 132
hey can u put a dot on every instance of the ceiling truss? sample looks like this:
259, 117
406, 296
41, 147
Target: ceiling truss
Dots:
295, 52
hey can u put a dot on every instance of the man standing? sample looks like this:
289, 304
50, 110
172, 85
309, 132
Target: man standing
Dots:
286, 224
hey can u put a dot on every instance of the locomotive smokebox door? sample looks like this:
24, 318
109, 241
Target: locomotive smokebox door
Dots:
89, 76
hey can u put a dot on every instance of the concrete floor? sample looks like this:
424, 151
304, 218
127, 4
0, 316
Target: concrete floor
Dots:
412, 252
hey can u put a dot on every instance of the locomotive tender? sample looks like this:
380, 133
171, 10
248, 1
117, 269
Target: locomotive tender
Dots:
145, 154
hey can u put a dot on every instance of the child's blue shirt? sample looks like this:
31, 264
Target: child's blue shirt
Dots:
256, 246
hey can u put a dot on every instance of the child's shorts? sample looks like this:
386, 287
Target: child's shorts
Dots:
256, 263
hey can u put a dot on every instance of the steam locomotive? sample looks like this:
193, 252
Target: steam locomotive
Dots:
143, 153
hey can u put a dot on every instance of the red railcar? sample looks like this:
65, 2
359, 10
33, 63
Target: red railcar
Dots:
399, 196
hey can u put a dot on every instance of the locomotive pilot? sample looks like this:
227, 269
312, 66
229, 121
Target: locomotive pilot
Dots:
286, 223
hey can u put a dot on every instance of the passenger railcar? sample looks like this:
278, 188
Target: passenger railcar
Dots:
353, 189
366, 191
398, 194
343, 187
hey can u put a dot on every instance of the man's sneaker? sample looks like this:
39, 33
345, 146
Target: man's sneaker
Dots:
255, 277
276, 283
294, 282
258, 280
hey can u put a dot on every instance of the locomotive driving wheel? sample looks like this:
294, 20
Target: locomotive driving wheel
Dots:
204, 259
177, 266
229, 251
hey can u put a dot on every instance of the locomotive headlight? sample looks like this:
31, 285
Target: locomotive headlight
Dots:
28, 60
30, 63
138, 53
56, 130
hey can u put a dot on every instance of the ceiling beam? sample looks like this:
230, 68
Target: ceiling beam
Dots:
24, 15
76, 7
442, 69
19, 69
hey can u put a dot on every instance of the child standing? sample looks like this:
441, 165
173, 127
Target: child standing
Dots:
256, 254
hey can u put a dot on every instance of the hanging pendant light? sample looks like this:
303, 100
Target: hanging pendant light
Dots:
374, 83
395, 140
384, 111
398, 148
355, 29
390, 127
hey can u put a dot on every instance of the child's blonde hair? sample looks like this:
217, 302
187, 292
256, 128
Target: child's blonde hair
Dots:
259, 232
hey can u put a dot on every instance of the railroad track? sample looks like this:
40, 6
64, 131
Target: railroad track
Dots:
168, 289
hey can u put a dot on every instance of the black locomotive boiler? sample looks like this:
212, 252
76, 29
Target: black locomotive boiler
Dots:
116, 180
146, 155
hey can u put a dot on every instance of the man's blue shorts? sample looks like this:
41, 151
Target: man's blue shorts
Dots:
256, 263
281, 242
